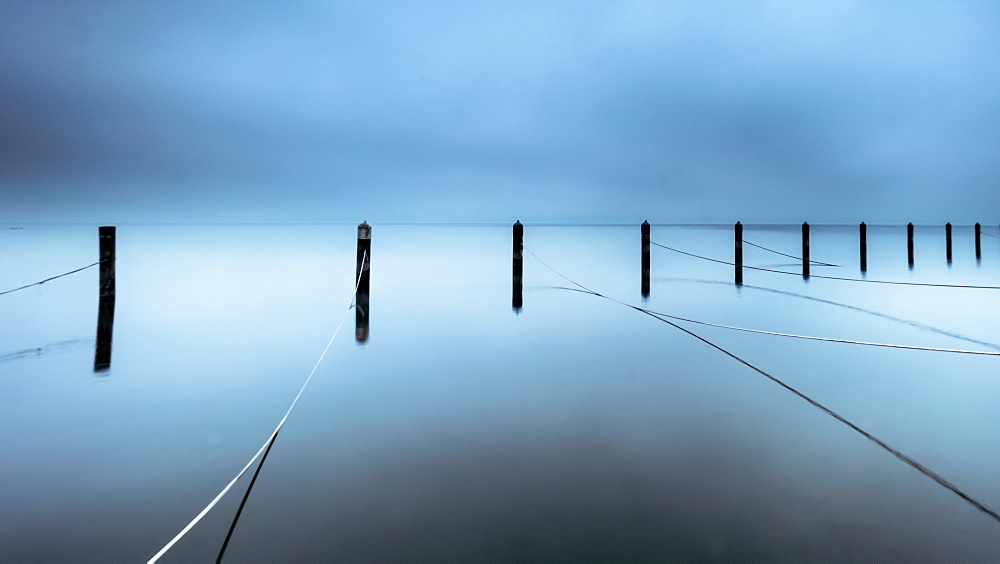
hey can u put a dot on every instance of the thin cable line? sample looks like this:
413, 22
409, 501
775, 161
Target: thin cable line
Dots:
807, 337
52, 278
878, 314
940, 480
270, 439
816, 262
903, 457
831, 277
37, 351
826, 339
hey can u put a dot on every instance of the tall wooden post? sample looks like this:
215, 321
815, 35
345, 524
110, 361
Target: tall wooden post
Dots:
805, 250
106, 236
863, 237
909, 245
947, 241
106, 302
979, 243
518, 260
644, 230
738, 252
362, 276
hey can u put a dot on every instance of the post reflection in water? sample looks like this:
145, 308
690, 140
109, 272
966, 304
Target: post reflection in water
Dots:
738, 252
105, 325
979, 243
363, 277
863, 233
518, 267
106, 306
361, 317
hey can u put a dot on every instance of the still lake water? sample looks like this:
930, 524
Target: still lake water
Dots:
574, 430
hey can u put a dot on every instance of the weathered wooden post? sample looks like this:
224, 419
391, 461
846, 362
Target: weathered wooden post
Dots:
518, 259
947, 241
738, 252
863, 233
644, 230
909, 245
805, 250
362, 276
979, 244
106, 236
106, 302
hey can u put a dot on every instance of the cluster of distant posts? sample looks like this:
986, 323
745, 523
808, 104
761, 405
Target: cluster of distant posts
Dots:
518, 256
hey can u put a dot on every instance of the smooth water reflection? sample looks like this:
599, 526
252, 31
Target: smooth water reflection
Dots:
574, 429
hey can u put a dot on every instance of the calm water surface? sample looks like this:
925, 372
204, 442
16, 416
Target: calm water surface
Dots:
576, 429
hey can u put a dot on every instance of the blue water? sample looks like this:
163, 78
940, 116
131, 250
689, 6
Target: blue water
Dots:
575, 429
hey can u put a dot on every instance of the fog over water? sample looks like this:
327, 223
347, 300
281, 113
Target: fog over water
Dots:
478, 409
464, 429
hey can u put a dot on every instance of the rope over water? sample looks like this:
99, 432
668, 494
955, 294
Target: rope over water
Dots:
816, 262
830, 277
826, 339
909, 322
270, 439
940, 480
807, 337
53, 277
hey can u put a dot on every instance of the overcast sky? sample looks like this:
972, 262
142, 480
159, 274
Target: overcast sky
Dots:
675, 112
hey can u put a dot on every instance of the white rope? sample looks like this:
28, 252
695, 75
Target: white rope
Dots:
263, 447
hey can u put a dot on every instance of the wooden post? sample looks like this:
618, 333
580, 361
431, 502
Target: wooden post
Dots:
738, 252
644, 230
106, 236
909, 245
863, 233
947, 241
979, 244
518, 260
106, 302
805, 250
362, 276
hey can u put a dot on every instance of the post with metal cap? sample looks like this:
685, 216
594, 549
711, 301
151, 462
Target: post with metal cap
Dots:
362, 276
518, 264
863, 237
738, 235
979, 244
805, 250
106, 302
644, 230
947, 242
909, 245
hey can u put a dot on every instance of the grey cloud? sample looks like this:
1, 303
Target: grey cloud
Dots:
707, 111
